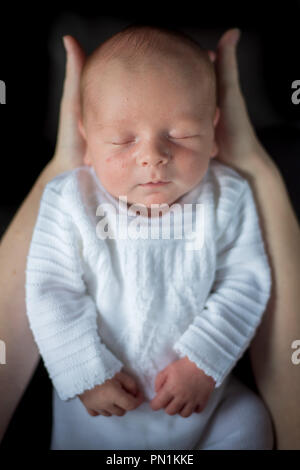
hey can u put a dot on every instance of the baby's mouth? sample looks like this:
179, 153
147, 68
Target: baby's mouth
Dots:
155, 183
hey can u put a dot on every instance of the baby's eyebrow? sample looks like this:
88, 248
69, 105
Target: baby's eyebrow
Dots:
182, 120
117, 121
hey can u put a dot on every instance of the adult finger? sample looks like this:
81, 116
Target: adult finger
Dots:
226, 61
75, 58
68, 138
234, 119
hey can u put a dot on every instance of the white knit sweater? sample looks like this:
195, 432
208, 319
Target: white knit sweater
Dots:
96, 305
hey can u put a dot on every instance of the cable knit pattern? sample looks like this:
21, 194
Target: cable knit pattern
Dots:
96, 305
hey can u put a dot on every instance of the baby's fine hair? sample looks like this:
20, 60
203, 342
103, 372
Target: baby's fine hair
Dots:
138, 42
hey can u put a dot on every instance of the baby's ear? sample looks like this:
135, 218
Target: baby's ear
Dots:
86, 159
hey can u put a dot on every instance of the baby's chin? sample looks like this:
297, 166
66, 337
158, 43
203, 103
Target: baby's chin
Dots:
153, 199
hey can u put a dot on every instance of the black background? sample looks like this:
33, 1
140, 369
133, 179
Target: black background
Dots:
24, 149
24, 66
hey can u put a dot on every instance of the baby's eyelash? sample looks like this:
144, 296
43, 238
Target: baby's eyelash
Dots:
176, 138
121, 143
124, 143
185, 137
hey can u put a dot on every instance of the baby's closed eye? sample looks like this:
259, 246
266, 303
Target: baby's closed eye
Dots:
123, 142
185, 136
132, 140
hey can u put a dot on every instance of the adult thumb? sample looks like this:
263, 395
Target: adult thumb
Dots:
226, 62
75, 58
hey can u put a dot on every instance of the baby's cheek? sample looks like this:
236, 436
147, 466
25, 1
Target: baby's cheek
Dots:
116, 162
192, 167
116, 170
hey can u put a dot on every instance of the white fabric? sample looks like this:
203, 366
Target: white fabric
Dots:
142, 428
239, 422
96, 306
235, 418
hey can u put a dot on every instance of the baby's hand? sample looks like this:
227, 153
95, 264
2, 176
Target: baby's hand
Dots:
114, 397
182, 388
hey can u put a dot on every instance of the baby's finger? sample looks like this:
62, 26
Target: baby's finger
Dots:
199, 408
127, 401
128, 383
175, 406
92, 412
116, 410
104, 412
101, 412
161, 400
160, 380
140, 397
187, 410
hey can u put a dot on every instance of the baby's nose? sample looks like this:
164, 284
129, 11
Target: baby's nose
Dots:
153, 156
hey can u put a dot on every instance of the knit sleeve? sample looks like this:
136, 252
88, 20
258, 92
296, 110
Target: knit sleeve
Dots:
62, 315
223, 330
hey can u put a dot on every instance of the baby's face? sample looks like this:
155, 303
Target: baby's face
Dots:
150, 125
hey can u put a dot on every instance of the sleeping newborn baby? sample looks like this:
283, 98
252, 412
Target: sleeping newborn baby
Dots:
147, 275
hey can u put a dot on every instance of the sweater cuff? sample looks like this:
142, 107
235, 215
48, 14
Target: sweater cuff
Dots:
86, 375
200, 349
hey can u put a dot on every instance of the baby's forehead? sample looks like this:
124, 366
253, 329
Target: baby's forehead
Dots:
111, 87
138, 47
176, 61
175, 68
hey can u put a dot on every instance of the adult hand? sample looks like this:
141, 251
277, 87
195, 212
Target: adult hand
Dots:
238, 144
70, 146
